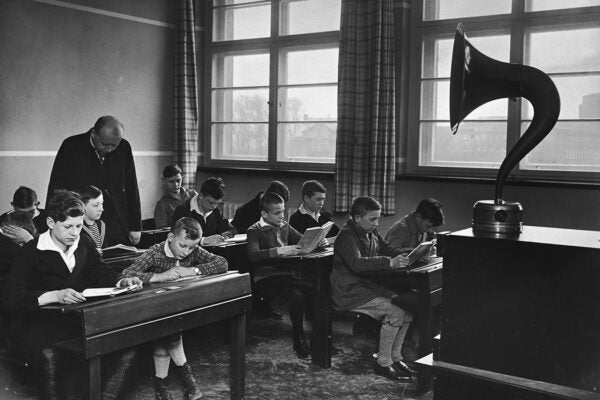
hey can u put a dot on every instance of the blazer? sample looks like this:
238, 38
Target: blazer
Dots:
76, 165
214, 224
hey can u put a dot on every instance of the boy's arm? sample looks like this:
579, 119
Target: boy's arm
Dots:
347, 247
398, 236
19, 296
140, 266
209, 263
98, 273
255, 253
224, 227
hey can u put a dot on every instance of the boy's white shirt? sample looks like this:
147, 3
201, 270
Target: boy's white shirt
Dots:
314, 215
45, 242
194, 207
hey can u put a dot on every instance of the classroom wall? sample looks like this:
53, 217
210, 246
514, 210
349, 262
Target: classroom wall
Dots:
61, 68
573, 208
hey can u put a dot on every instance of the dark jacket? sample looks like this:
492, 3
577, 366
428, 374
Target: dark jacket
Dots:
356, 251
214, 224
301, 222
76, 165
8, 250
262, 240
405, 235
247, 214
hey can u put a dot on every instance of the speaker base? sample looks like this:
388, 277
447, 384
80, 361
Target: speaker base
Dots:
505, 218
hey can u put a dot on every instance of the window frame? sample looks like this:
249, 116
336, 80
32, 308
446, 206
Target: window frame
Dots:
516, 24
272, 46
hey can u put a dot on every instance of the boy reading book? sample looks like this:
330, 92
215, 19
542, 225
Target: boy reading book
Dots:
179, 256
310, 214
417, 226
93, 226
174, 195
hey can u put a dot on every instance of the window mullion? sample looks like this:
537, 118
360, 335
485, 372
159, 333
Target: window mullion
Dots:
513, 125
273, 81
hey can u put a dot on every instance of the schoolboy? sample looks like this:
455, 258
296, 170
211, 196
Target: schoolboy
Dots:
93, 226
174, 196
54, 268
178, 256
416, 227
25, 199
269, 239
250, 212
359, 248
310, 214
204, 208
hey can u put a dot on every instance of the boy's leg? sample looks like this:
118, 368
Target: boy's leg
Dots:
162, 359
298, 300
174, 345
118, 370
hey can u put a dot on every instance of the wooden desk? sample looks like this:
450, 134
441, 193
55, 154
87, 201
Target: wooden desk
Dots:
154, 312
236, 255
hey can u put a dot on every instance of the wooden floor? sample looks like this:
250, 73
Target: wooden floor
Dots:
273, 370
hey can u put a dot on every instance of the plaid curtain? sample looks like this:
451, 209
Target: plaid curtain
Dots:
365, 147
186, 100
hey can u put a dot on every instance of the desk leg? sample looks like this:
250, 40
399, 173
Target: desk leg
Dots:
238, 357
425, 334
92, 389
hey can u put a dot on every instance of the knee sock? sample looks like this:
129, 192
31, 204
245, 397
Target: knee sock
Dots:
175, 349
387, 336
397, 347
162, 359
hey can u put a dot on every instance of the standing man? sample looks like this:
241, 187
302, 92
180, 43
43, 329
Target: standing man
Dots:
102, 158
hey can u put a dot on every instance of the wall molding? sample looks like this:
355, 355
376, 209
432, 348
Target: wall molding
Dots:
111, 14
43, 153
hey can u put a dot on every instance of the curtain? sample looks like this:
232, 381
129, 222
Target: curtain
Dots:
366, 148
186, 100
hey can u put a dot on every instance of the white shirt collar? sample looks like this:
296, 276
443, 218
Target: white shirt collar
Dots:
314, 215
168, 251
45, 242
262, 223
194, 207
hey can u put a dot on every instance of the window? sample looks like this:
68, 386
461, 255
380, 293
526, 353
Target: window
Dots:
273, 86
560, 38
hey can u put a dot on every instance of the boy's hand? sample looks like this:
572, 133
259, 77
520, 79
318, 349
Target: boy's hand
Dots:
128, 282
288, 250
399, 261
134, 237
69, 296
169, 275
228, 234
183, 271
323, 243
17, 234
213, 240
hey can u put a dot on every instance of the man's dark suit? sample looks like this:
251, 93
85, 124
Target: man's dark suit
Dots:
77, 165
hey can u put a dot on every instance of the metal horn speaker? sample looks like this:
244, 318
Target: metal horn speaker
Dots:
476, 79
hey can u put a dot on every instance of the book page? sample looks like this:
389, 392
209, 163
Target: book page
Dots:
238, 238
312, 236
107, 291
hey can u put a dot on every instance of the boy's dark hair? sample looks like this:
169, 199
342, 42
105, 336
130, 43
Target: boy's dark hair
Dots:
431, 209
172, 170
309, 188
279, 188
213, 187
190, 226
88, 193
268, 199
64, 204
24, 197
22, 219
362, 205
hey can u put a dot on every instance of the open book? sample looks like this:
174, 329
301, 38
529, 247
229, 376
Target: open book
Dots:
313, 236
419, 252
108, 291
119, 250
241, 237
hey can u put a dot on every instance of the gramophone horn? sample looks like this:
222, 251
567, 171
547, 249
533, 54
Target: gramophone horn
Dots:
476, 79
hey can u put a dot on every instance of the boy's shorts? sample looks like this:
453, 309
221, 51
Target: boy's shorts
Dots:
382, 309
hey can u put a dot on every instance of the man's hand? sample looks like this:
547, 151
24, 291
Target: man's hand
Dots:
69, 296
288, 250
213, 240
17, 234
128, 282
134, 237
399, 261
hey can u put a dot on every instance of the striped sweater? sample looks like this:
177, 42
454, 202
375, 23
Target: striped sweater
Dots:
155, 261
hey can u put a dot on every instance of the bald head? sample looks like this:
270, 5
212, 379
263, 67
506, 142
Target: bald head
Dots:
107, 134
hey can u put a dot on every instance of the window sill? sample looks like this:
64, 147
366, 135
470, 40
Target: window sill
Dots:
266, 171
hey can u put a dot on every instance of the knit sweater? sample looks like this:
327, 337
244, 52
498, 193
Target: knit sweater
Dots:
263, 243
214, 224
405, 234
356, 251
301, 222
155, 261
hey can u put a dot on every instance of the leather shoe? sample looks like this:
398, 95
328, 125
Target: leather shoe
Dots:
301, 347
403, 368
391, 373
268, 315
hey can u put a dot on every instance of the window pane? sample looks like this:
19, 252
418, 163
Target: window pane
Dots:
240, 105
579, 97
539, 5
476, 145
306, 142
240, 141
218, 3
232, 70
242, 22
576, 50
437, 52
446, 9
308, 16
571, 146
308, 103
434, 103
298, 66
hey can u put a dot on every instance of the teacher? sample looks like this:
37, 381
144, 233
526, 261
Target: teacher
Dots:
102, 158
